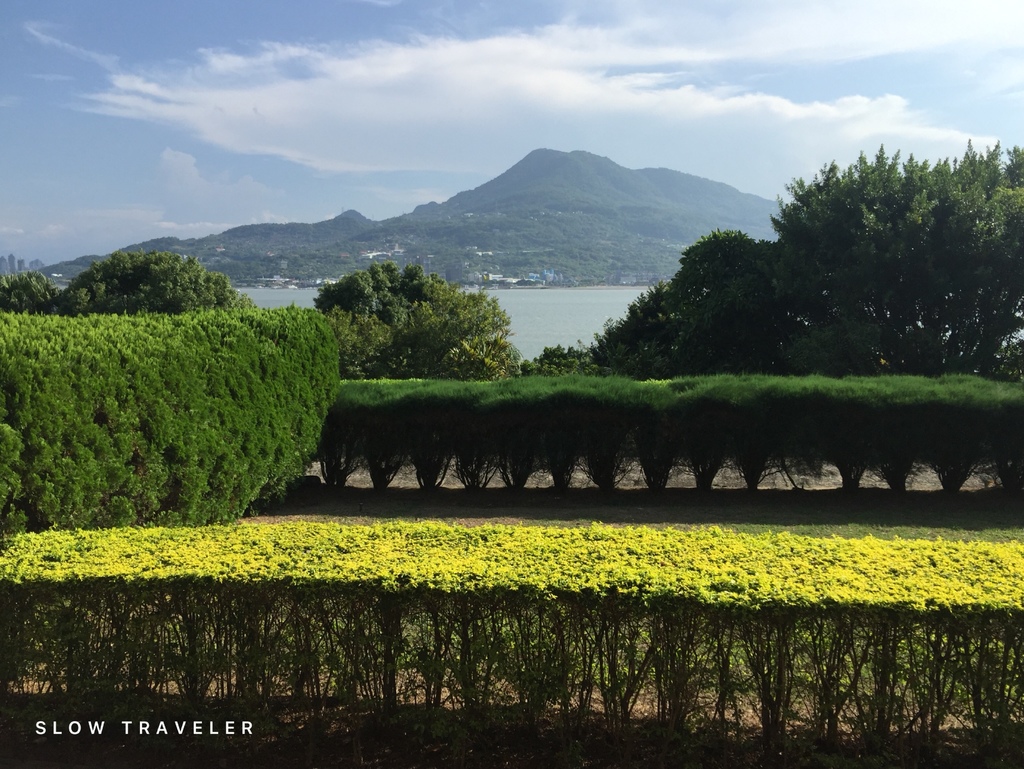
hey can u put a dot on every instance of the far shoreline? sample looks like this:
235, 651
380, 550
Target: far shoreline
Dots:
540, 317
601, 286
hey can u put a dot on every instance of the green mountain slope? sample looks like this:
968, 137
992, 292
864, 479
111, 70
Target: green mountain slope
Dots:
581, 215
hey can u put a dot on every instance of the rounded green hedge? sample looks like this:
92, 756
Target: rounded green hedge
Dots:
604, 426
186, 419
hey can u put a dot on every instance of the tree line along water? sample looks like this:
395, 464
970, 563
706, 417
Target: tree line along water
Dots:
540, 317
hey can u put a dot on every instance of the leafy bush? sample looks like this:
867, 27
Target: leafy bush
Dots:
187, 419
157, 281
407, 324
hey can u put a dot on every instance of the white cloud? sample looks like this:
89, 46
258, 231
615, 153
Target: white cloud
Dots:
736, 90
812, 30
103, 60
641, 83
185, 203
449, 104
54, 235
189, 195
58, 235
182, 177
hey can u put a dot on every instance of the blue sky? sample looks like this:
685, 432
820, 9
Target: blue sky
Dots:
123, 120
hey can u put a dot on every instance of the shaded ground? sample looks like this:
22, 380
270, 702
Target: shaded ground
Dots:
348, 745
819, 509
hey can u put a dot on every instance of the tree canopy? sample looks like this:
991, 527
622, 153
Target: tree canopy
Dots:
403, 324
560, 361
884, 267
157, 281
30, 292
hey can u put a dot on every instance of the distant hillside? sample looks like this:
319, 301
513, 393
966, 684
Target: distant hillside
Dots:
579, 214
551, 181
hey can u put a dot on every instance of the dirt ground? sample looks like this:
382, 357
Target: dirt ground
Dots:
811, 502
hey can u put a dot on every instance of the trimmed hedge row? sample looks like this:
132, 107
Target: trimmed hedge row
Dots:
862, 646
890, 426
186, 419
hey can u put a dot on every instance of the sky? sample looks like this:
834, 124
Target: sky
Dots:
122, 121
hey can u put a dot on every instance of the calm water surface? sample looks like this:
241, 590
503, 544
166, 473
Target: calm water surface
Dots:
541, 317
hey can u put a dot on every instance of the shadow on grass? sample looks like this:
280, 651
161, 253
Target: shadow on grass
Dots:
989, 514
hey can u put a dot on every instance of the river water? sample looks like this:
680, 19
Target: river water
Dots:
541, 317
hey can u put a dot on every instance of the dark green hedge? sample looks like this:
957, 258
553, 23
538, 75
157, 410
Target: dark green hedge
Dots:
189, 419
603, 427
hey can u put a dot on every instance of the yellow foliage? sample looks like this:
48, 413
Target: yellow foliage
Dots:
710, 566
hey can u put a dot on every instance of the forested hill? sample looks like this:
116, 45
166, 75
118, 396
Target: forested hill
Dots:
576, 213
653, 201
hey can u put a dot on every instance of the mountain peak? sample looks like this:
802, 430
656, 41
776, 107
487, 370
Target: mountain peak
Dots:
548, 180
352, 214
577, 213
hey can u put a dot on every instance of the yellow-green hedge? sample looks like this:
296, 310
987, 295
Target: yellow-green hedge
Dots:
621, 639
712, 566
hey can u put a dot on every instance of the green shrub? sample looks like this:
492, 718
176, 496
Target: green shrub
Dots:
187, 419
890, 426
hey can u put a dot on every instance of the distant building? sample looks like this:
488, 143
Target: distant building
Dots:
12, 264
36, 264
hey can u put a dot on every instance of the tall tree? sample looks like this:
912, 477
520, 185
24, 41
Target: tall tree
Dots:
903, 268
30, 292
641, 343
726, 308
407, 324
157, 281
884, 267
721, 312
